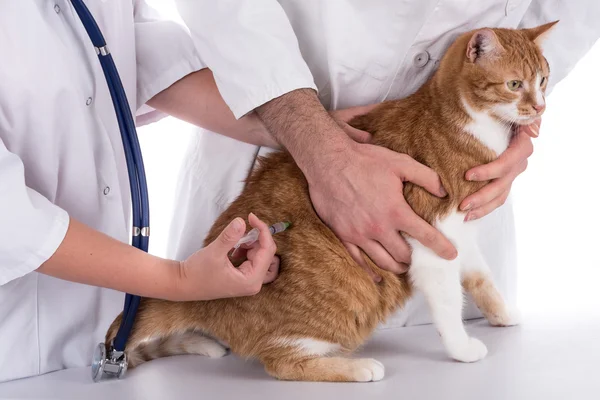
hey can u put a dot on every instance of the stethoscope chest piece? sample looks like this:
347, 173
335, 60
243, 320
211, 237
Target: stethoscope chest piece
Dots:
115, 365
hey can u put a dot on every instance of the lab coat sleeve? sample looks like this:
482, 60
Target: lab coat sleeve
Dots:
250, 47
31, 227
577, 31
165, 53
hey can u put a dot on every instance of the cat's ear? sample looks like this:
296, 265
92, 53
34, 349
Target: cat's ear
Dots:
539, 33
483, 44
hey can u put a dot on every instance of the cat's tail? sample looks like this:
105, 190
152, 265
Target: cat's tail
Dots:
150, 341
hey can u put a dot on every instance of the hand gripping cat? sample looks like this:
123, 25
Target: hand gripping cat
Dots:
323, 305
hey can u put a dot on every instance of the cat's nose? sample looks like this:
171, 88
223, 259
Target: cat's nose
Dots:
539, 107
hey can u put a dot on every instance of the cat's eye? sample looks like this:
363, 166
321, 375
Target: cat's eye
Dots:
543, 80
514, 85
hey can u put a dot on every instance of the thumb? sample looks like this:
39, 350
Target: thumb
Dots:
532, 130
356, 134
230, 235
408, 169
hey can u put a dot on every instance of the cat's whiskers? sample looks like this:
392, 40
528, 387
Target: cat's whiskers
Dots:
510, 123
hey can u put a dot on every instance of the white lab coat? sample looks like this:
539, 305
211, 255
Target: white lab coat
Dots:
354, 52
61, 155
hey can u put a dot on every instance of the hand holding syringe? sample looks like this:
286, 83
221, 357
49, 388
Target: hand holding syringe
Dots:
252, 236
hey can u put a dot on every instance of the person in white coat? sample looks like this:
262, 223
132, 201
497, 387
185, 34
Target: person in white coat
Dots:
288, 61
64, 191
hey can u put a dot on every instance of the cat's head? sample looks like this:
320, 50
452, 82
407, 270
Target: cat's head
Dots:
504, 72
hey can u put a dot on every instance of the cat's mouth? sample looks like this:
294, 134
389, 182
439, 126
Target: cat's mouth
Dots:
526, 119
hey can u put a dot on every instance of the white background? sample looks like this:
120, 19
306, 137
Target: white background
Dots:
556, 200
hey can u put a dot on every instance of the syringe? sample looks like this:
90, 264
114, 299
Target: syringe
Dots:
252, 236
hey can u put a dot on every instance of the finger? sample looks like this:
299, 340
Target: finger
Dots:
273, 271
359, 259
346, 115
492, 190
486, 194
487, 208
251, 253
410, 170
533, 130
229, 236
256, 268
530, 130
265, 239
248, 281
382, 258
519, 149
397, 247
356, 134
427, 235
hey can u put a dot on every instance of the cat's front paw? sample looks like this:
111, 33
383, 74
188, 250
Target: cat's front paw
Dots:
510, 317
367, 370
471, 351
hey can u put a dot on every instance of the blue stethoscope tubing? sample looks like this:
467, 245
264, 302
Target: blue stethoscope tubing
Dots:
133, 155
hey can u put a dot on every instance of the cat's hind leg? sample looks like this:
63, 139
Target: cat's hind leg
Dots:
440, 282
327, 369
154, 336
174, 345
477, 281
314, 360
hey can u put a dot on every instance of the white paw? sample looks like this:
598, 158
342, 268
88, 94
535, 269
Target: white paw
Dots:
368, 370
473, 350
215, 350
204, 346
511, 317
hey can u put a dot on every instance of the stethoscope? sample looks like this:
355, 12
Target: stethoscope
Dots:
114, 362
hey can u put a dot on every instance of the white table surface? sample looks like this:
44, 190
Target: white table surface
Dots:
545, 358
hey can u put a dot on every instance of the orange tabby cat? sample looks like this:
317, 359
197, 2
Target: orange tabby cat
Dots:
323, 305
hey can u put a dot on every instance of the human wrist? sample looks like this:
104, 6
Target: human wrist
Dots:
329, 159
298, 121
327, 152
259, 132
150, 276
169, 281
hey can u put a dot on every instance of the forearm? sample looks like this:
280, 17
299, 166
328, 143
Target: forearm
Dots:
196, 99
90, 257
301, 124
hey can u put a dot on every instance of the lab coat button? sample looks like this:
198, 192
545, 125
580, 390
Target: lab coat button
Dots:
88, 101
57, 8
421, 59
106, 191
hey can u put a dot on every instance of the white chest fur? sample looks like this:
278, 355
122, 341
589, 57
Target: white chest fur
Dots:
491, 132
